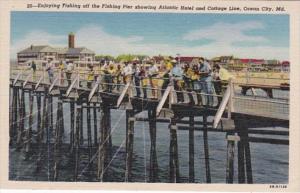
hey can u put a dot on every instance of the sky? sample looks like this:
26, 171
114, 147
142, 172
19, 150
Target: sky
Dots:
209, 35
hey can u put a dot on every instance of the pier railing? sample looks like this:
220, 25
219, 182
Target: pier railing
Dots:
236, 96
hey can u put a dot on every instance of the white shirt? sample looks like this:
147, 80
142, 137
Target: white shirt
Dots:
127, 70
153, 70
49, 66
70, 67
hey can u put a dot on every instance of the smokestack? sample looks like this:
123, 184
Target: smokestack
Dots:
71, 40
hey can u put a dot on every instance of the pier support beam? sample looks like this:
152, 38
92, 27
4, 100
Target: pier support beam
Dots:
89, 132
153, 158
72, 117
174, 163
39, 132
22, 121
103, 156
14, 115
231, 138
129, 145
191, 151
77, 140
95, 126
244, 154
29, 130
58, 139
50, 100
81, 126
206, 151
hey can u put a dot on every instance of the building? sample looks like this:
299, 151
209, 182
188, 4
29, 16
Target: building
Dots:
41, 53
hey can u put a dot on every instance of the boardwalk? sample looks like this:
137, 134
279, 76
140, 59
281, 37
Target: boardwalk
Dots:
234, 116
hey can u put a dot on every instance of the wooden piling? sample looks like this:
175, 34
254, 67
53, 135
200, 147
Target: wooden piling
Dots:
230, 158
108, 130
29, 130
95, 126
39, 118
14, 113
72, 115
77, 141
81, 127
248, 157
11, 114
39, 132
103, 145
50, 100
153, 158
58, 140
206, 151
129, 150
174, 162
241, 158
89, 133
22, 121
191, 151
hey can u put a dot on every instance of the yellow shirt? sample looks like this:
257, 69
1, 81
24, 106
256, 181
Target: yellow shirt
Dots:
192, 75
111, 71
169, 66
224, 74
90, 76
61, 66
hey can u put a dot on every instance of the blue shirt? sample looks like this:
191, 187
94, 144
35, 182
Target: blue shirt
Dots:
205, 67
177, 72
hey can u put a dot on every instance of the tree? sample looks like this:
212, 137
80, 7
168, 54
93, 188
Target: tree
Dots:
104, 57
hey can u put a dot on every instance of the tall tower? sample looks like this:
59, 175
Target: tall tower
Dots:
71, 40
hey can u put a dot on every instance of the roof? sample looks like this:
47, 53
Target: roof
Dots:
186, 59
36, 49
61, 50
46, 48
285, 63
257, 61
75, 51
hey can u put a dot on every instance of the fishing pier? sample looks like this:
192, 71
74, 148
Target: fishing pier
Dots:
38, 125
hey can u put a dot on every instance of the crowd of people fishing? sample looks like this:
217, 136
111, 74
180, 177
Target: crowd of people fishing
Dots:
203, 76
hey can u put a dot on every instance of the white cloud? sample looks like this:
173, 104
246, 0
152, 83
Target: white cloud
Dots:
227, 33
96, 39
